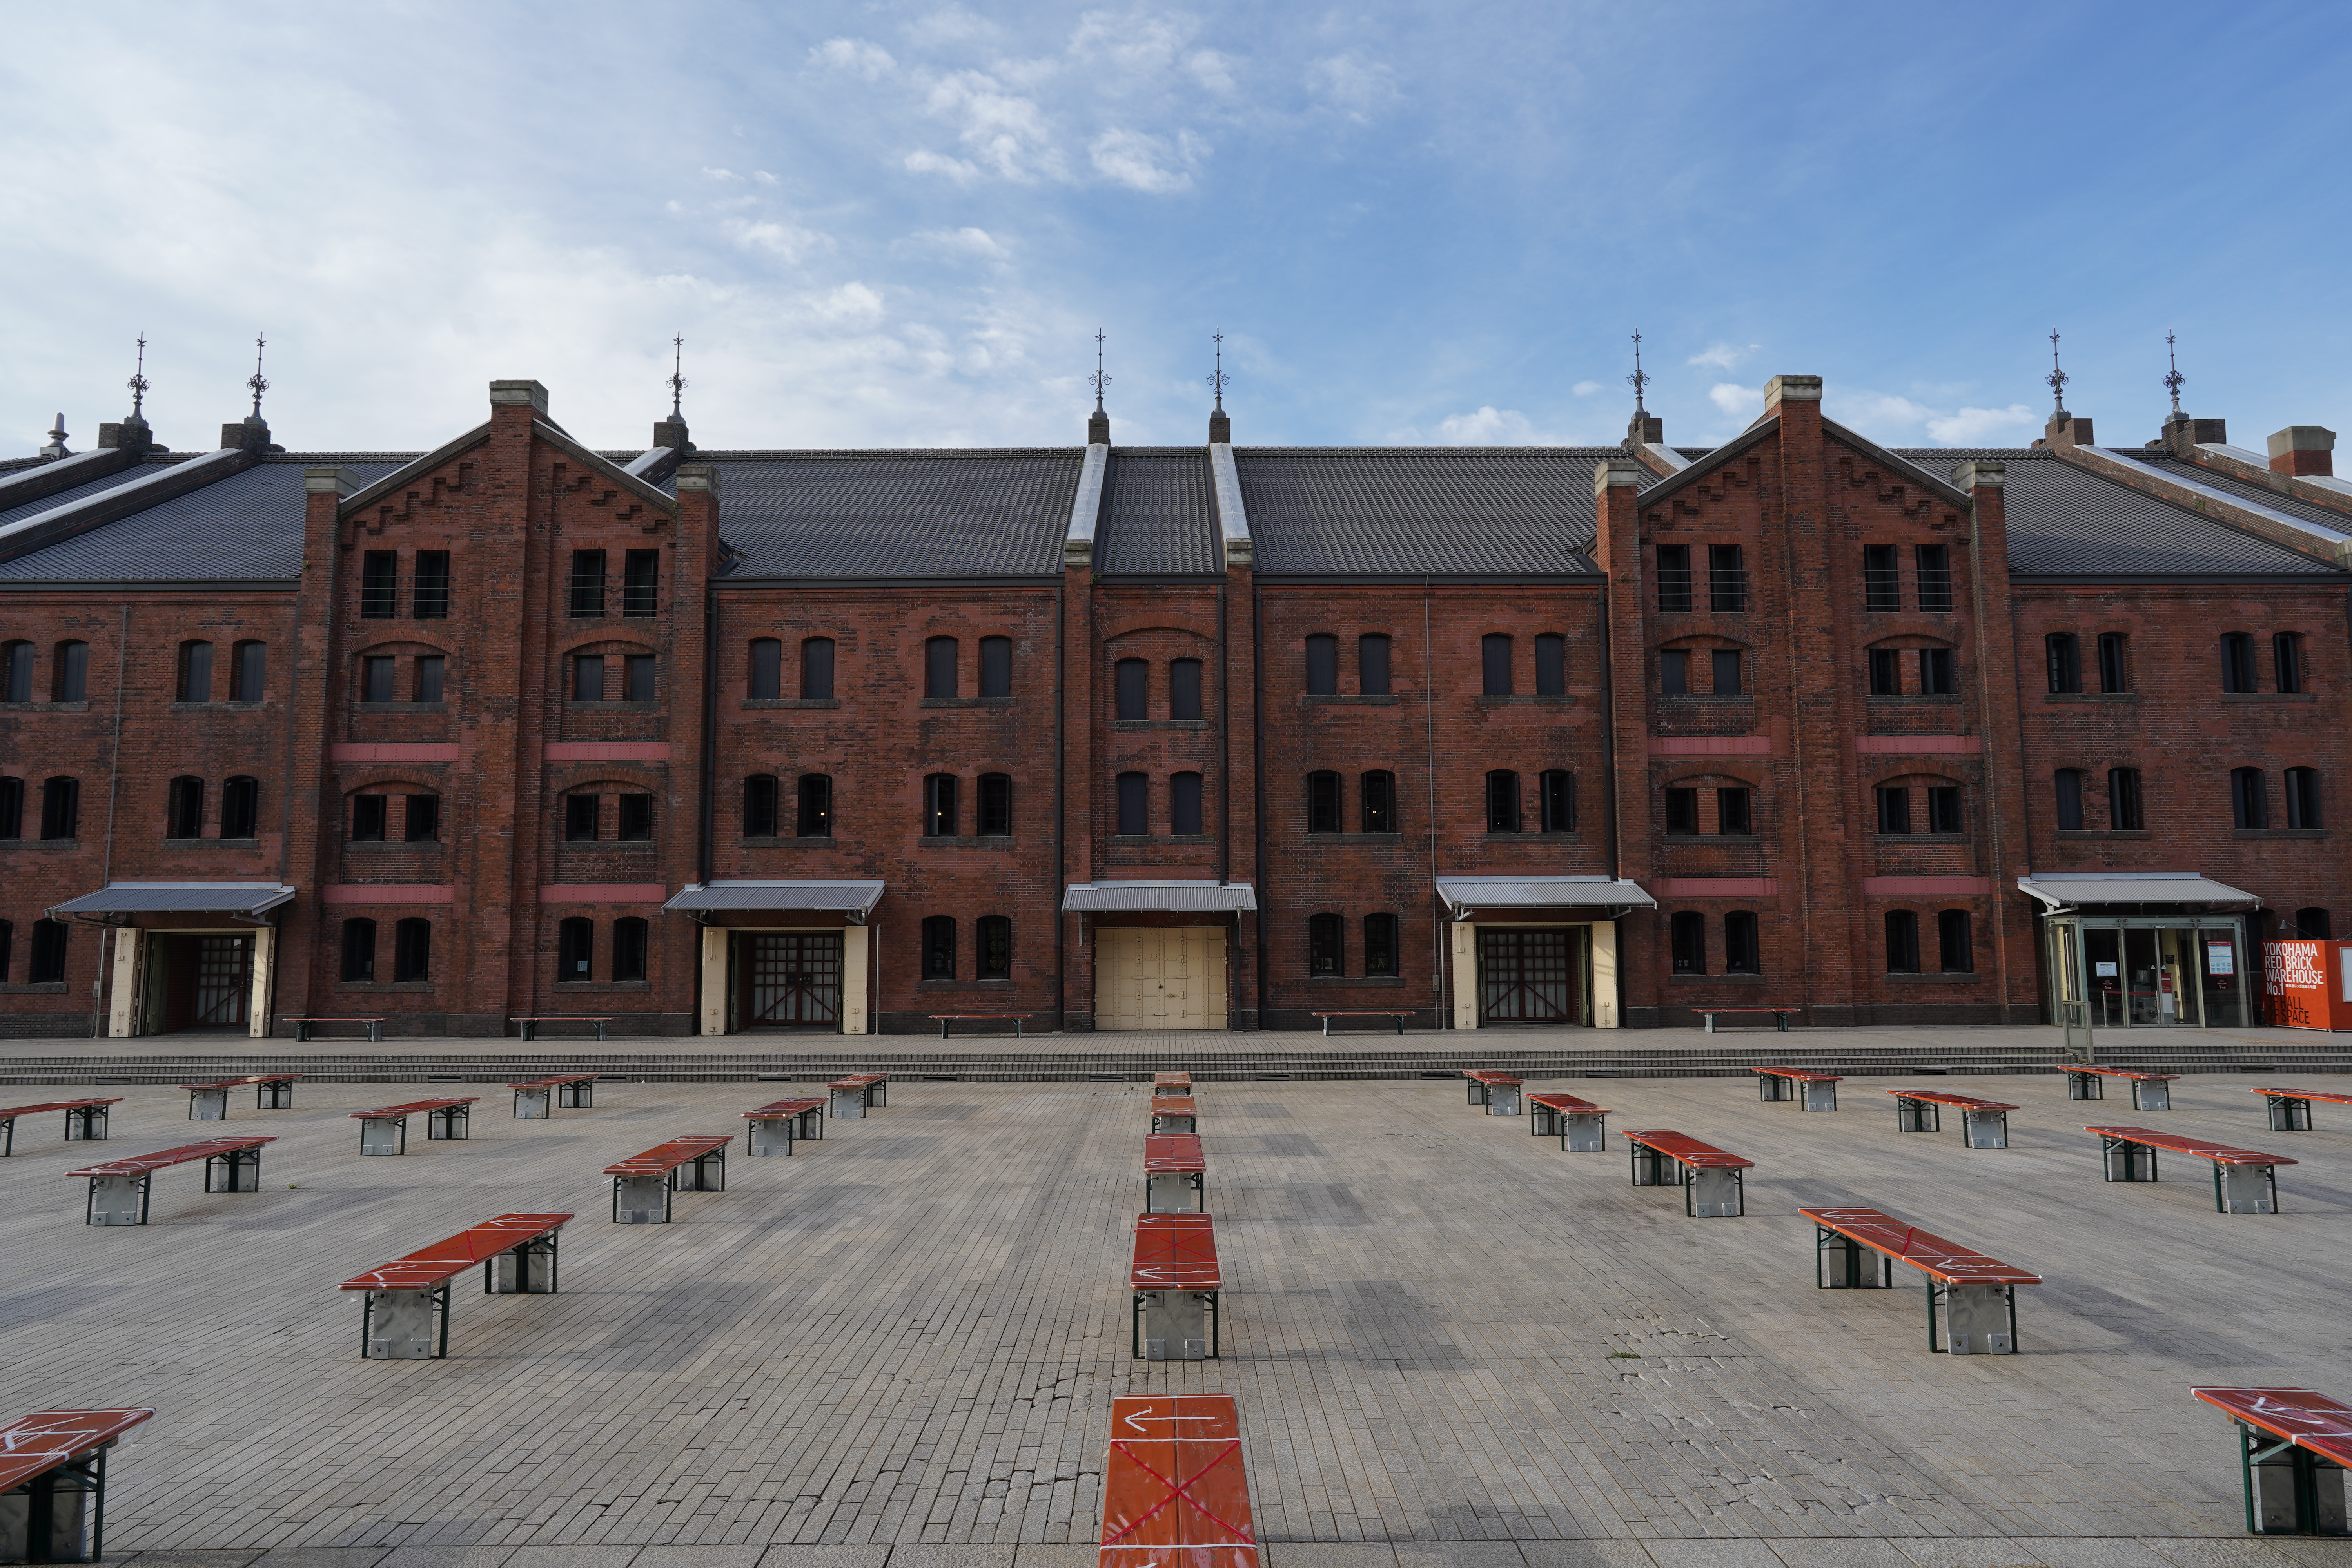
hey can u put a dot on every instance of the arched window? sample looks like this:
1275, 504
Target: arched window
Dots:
1686, 937
1552, 665
996, 670
240, 806
2124, 809
1185, 802
1956, 951
575, 950
994, 935
2063, 656
412, 949
1556, 800
2302, 797
2237, 661
939, 667
1495, 664
359, 950
1372, 664
48, 954
195, 672
765, 673
1183, 689
1130, 678
1323, 802
939, 806
2113, 675
1901, 942
2068, 784
760, 807
629, 948
1323, 935
60, 808
1742, 954
2249, 804
816, 669
12, 808
1502, 801
1322, 664
70, 673
815, 804
2314, 924
2287, 655
183, 816
938, 947
1379, 944
248, 672
1379, 802
16, 672
1134, 804
995, 805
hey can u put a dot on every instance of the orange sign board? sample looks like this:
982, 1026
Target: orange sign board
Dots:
2306, 983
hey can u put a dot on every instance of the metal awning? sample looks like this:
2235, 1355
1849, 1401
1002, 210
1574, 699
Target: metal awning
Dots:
2075, 890
239, 900
855, 900
1094, 898
1465, 896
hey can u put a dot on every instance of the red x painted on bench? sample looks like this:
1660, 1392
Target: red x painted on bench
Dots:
35, 1444
1175, 1493
2307, 1420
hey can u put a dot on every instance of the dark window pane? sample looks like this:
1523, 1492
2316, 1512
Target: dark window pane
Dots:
1742, 952
1132, 678
1956, 953
2065, 661
760, 807
12, 808
938, 947
2124, 799
1184, 689
48, 955
815, 815
588, 678
424, 818
2287, 654
1886, 672
1686, 931
939, 806
1552, 665
1185, 802
939, 667
2312, 924
69, 675
1674, 671
766, 671
1502, 801
1935, 564
2069, 783
1323, 940
816, 668
248, 668
1944, 808
2237, 662
1323, 802
1682, 809
1322, 664
996, 670
369, 815
1894, 809
995, 955
1555, 793
1380, 803
240, 807
996, 803
430, 669
579, 813
1734, 809
429, 599
379, 584
196, 672
1495, 664
185, 816
1134, 798
1673, 578
1380, 944
2249, 800
640, 582
1936, 675
587, 588
60, 808
2112, 677
412, 949
1881, 589
1726, 671
359, 950
629, 935
17, 672
575, 950
1726, 578
640, 676
1901, 942
1372, 664
378, 675
2302, 797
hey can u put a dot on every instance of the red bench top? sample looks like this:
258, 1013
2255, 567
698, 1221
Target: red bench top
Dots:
2178, 1143
1173, 1152
1687, 1149
858, 1080
1744, 1009
2119, 1072
1957, 1101
2328, 1094
556, 1082
1805, 1073
1490, 1075
793, 1107
416, 1106
322, 1018
56, 1105
2307, 1420
241, 1082
665, 1158
1365, 1013
1173, 1105
1171, 1080
139, 1164
555, 1018
429, 1266
1174, 1252
1569, 1103
1946, 1260
935, 1018
47, 1439
1174, 1479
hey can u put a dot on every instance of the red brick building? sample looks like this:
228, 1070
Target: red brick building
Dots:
1116, 737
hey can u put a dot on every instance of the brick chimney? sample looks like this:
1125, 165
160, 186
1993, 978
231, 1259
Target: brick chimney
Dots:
2304, 450
2182, 436
2067, 429
1644, 429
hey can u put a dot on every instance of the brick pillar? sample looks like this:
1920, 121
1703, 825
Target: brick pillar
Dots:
1082, 737
687, 620
518, 679
1624, 626
311, 806
1237, 691
2009, 920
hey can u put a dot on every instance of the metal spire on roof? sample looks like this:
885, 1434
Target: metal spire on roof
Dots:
257, 381
1100, 380
57, 447
2057, 378
1217, 379
2172, 376
677, 374
137, 383
1638, 380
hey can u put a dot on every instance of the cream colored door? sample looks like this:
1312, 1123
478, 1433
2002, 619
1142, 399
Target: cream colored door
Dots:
1159, 977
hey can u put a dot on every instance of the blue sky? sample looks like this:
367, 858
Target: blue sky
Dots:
901, 225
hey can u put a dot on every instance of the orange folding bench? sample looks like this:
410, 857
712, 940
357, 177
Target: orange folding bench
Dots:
2294, 1446
271, 1091
1173, 1114
534, 1098
1582, 1126
1175, 1488
1711, 1180
859, 1092
642, 1183
1971, 1299
56, 1460
1175, 1281
405, 1316
1171, 1083
2245, 1181
2149, 1090
119, 1188
2290, 1108
1810, 1090
85, 1119
1175, 1174
776, 1128
1497, 1091
385, 1131
1984, 1123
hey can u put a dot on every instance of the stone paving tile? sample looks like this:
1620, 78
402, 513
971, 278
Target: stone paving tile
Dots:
826, 1557
1329, 1555
910, 1334
1458, 1555
1586, 1554
1841, 1554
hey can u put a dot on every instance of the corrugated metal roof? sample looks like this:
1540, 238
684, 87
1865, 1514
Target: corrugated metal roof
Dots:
2061, 889
856, 898
1465, 893
1157, 517
1089, 898
73, 494
896, 514
1397, 510
2247, 491
248, 524
178, 898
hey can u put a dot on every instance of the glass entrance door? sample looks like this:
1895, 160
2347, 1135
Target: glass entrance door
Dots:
1526, 976
2160, 989
795, 980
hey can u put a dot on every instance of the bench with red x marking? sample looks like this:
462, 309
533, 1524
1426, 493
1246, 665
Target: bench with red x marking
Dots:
642, 1183
1971, 1299
1497, 1091
2245, 1181
118, 1188
2290, 1108
1810, 1090
271, 1091
2294, 1446
776, 1128
1712, 1185
385, 1131
84, 1118
536, 1098
1171, 1083
2149, 1090
1582, 1126
858, 1093
1173, 1114
1175, 1488
406, 1313
1984, 1123
1175, 1175
55, 1460
1174, 1279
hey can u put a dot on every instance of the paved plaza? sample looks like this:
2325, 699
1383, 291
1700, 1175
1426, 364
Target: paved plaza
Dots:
1452, 1342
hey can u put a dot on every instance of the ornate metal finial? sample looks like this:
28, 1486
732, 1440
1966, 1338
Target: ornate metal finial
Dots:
1100, 380
138, 383
2173, 379
2057, 378
677, 374
1638, 380
257, 381
1217, 379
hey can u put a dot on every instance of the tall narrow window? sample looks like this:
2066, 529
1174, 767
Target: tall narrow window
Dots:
2068, 785
1682, 809
766, 671
939, 667
816, 669
1735, 809
996, 670
185, 816
939, 806
428, 598
379, 584
1673, 578
423, 819
359, 950
580, 817
1372, 664
1495, 664
1185, 802
380, 676
938, 947
1183, 689
370, 813
1886, 672
1937, 676
1934, 563
588, 678
587, 596
1324, 934
1686, 933
1131, 685
1894, 809
1901, 942
629, 934
1955, 952
1742, 952
1552, 665
2312, 924
48, 954
2112, 677
814, 818
1882, 589
1723, 671
60, 808
2286, 658
12, 808
637, 669
2249, 800
636, 819
1323, 802
1134, 792
412, 949
1379, 944
431, 671
2063, 656
994, 939
2123, 802
7, 949
1556, 800
1674, 671
996, 805
1944, 808
1726, 578
17, 672
575, 950
1379, 802
70, 673
1322, 664
640, 582
240, 806
1502, 801
2302, 797
195, 672
2237, 662
760, 807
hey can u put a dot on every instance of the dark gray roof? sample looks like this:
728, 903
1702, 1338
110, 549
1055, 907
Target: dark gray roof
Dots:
2065, 521
1158, 518
896, 513
2260, 495
91, 487
1402, 511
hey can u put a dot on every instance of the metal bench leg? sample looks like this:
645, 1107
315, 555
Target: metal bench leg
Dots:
1707, 1022
1327, 1028
943, 1029
1016, 1030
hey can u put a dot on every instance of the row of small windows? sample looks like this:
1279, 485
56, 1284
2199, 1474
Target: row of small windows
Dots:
1133, 793
1131, 682
2241, 662
68, 672
46, 960
942, 817
590, 582
428, 585
942, 669
585, 820
2250, 799
1898, 808
240, 807
1326, 957
992, 948
412, 950
60, 808
812, 806
1719, 578
372, 818
1741, 950
594, 678
575, 950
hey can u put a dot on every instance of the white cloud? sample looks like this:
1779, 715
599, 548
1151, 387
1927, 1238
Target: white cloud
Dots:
1723, 356
950, 25
1357, 87
720, 175
970, 243
1977, 426
780, 240
1587, 388
1487, 426
1210, 69
1890, 417
1138, 41
851, 304
1003, 130
1145, 162
855, 56
923, 162
764, 177
1737, 401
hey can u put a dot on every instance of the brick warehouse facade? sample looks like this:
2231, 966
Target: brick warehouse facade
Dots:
711, 741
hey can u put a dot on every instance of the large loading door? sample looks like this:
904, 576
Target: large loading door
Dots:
1159, 977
